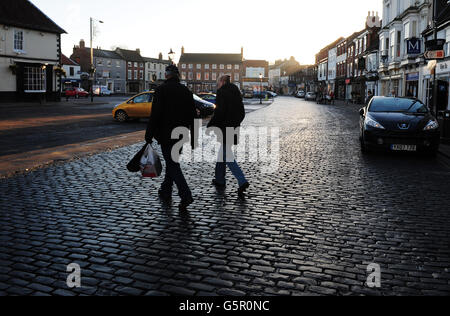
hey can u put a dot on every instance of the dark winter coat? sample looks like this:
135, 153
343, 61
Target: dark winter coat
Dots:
230, 111
173, 106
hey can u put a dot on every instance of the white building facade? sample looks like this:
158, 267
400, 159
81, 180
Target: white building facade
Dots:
331, 67
402, 68
155, 69
30, 55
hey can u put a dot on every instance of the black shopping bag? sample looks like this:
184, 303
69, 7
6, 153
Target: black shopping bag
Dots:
135, 164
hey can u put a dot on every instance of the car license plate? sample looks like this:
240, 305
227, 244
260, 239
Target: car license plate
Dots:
397, 147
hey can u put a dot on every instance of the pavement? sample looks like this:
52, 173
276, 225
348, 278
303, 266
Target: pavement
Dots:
311, 228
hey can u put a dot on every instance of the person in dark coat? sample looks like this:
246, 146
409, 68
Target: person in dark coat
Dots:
173, 106
229, 113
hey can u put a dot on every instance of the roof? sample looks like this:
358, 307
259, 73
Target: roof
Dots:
156, 60
67, 61
211, 58
129, 55
22, 13
106, 54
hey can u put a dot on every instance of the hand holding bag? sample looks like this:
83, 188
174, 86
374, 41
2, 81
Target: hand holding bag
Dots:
135, 164
150, 164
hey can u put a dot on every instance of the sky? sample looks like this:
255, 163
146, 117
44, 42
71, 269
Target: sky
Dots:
267, 29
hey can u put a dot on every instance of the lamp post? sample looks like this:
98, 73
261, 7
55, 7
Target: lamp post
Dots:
435, 86
92, 70
172, 56
260, 88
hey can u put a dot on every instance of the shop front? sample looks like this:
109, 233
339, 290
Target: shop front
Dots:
443, 77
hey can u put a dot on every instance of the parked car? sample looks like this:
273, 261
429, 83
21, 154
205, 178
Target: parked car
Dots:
398, 124
248, 94
204, 108
300, 94
76, 93
273, 94
210, 97
310, 96
101, 90
139, 106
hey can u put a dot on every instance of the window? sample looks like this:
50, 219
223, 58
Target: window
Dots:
130, 64
199, 76
135, 74
406, 27
207, 66
229, 67
135, 65
236, 67
118, 63
71, 71
109, 63
207, 76
214, 66
191, 66
18, 40
34, 79
100, 62
214, 76
183, 75
414, 29
236, 77
183, 66
129, 75
222, 66
118, 75
190, 76
399, 43
143, 98
141, 65
199, 66
141, 74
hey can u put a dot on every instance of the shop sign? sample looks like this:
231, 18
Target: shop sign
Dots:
443, 67
413, 46
412, 77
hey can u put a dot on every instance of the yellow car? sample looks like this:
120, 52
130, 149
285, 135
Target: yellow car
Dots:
139, 106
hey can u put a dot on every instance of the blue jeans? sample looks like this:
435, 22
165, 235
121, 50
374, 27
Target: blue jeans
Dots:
173, 174
226, 158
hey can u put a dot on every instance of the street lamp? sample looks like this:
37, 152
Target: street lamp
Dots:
260, 88
92, 70
172, 56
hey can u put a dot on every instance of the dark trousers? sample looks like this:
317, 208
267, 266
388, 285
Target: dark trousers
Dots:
173, 174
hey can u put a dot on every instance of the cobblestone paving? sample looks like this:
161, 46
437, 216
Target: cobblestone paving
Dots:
311, 229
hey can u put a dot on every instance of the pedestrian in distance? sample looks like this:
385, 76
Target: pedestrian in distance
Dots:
229, 114
369, 97
173, 107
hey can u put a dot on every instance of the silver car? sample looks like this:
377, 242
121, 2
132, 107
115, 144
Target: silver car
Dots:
310, 96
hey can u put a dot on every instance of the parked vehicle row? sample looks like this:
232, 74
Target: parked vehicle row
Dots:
250, 94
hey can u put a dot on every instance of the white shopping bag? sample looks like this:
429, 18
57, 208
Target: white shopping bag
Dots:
151, 166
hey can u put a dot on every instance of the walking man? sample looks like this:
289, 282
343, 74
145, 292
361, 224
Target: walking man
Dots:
228, 115
173, 106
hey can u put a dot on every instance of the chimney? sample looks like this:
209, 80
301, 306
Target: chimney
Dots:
242, 52
82, 44
138, 51
160, 56
182, 50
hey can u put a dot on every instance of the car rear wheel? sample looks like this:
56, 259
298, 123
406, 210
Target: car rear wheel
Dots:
121, 116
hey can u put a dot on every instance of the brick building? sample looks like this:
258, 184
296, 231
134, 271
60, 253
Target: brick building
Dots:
201, 71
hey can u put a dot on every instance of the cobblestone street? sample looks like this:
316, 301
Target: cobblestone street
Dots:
310, 229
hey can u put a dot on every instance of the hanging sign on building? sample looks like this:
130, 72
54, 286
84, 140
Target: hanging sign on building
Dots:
413, 46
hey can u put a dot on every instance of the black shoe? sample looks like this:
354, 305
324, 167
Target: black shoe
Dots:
185, 203
166, 198
218, 184
243, 188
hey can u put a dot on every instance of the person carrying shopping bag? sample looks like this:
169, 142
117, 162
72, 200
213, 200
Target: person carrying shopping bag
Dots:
229, 114
173, 106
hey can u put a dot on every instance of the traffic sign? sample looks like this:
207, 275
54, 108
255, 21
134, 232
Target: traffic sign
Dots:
434, 54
